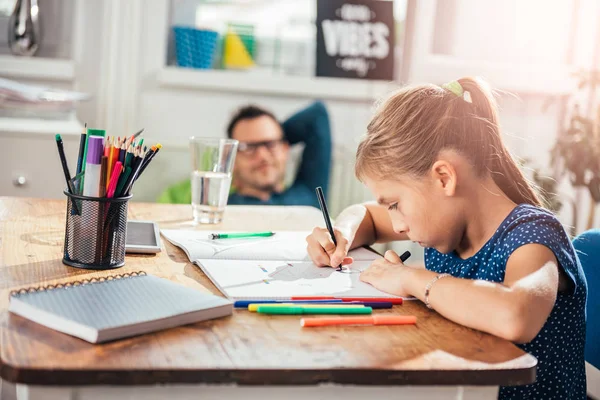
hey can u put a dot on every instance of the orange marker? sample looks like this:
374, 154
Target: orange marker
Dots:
372, 320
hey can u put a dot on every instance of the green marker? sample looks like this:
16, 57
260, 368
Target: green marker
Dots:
293, 310
240, 235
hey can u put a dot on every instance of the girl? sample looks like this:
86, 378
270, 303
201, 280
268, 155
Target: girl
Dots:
434, 158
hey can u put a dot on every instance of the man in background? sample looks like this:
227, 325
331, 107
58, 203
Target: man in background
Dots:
262, 158
263, 152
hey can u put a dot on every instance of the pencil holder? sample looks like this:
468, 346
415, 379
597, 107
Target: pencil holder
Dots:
95, 232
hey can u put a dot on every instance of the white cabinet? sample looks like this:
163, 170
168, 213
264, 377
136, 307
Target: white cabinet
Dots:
29, 158
68, 59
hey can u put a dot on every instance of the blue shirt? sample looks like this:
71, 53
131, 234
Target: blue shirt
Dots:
310, 126
559, 346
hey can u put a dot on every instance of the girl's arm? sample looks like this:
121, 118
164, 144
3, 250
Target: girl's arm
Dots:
515, 310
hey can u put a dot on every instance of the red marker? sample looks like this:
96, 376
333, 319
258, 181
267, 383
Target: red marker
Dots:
393, 300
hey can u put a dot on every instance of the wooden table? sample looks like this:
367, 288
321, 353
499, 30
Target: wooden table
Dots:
242, 356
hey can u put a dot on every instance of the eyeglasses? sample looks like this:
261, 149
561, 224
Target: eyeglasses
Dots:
250, 148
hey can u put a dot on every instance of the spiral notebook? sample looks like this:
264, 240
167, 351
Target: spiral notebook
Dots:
272, 268
104, 309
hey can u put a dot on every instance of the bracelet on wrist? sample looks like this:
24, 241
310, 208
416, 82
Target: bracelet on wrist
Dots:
430, 285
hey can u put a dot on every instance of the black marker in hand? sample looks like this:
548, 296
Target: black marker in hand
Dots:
405, 256
391, 256
323, 205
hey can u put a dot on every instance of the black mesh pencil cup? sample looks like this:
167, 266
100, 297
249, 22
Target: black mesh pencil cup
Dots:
95, 232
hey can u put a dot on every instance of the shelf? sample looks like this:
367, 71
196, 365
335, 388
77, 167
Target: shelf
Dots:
32, 126
266, 83
37, 68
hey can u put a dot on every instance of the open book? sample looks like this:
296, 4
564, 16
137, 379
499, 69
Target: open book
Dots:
276, 267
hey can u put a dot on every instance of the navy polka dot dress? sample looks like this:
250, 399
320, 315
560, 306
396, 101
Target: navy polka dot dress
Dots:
559, 346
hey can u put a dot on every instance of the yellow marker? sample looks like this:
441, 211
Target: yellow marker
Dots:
254, 307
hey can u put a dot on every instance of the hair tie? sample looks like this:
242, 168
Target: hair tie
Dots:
456, 88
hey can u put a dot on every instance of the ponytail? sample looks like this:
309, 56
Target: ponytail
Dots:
502, 166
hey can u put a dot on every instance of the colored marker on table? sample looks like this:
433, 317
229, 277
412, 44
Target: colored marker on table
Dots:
371, 320
245, 303
254, 307
298, 309
375, 305
393, 300
239, 235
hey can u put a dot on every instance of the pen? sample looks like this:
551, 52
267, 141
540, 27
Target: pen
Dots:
293, 310
393, 300
372, 320
246, 303
239, 235
323, 206
82, 141
65, 167
63, 160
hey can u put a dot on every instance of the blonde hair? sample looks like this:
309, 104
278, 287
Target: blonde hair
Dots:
414, 124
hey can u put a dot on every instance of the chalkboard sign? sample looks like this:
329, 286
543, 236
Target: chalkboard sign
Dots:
355, 39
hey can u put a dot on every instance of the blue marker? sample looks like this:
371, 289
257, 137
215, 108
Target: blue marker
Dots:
246, 303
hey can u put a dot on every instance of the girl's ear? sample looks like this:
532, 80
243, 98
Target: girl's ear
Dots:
444, 177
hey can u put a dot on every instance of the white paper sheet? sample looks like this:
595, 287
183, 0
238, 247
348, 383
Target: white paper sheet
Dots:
276, 267
281, 279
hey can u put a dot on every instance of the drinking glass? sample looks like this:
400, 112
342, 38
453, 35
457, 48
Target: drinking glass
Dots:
212, 166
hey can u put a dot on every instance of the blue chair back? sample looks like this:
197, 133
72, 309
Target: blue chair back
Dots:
587, 246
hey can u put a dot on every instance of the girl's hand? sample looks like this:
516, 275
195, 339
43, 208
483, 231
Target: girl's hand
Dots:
387, 274
323, 252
